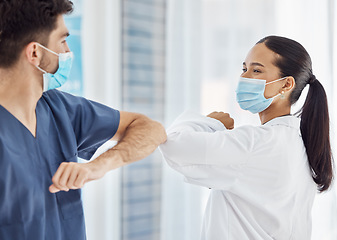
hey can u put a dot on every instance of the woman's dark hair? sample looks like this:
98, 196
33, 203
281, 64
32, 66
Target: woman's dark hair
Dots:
293, 60
25, 21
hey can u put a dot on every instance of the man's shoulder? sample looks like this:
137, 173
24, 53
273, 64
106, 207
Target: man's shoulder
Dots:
54, 93
59, 97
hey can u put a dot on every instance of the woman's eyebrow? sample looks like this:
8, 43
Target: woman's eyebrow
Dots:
254, 64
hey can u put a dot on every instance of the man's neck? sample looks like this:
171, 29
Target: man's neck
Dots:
19, 94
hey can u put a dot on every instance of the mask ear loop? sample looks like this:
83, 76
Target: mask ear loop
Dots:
47, 49
280, 94
51, 51
276, 80
40, 69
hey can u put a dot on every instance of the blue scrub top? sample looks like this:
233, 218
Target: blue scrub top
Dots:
67, 127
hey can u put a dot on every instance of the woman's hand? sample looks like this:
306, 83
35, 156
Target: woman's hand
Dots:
224, 118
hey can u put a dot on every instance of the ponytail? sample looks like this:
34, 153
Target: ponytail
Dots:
295, 61
315, 133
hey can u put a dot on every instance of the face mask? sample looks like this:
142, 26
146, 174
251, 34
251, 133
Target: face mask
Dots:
250, 94
56, 80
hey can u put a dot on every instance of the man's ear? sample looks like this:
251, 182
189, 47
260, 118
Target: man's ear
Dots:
33, 53
289, 84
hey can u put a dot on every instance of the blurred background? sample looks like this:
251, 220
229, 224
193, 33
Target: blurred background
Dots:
162, 57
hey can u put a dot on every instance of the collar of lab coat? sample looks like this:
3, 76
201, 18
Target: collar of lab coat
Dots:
289, 121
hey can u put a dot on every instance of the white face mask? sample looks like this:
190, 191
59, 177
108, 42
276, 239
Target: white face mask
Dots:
56, 80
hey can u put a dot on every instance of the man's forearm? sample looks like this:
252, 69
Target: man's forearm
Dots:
141, 138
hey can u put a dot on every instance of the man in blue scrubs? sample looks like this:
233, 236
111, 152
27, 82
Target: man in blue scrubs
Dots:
43, 131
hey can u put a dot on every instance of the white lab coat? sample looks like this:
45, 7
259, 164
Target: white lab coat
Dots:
260, 177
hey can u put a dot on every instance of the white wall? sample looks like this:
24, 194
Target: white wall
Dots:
182, 204
102, 83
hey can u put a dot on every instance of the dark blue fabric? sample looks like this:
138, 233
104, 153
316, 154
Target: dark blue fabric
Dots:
67, 127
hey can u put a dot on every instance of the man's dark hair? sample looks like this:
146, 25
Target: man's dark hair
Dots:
25, 21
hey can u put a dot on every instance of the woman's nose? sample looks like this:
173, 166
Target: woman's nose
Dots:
245, 75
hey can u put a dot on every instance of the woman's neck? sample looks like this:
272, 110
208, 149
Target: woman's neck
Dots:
273, 112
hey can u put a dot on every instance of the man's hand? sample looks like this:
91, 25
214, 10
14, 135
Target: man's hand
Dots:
71, 175
224, 118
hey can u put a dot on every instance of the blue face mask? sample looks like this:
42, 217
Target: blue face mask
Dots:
56, 80
250, 94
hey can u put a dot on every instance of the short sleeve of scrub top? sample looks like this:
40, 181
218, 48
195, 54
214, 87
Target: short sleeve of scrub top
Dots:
93, 123
68, 127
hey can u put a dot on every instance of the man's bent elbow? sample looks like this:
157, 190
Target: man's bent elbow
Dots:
162, 136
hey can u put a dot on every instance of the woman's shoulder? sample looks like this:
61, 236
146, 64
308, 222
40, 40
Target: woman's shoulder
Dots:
276, 130
277, 124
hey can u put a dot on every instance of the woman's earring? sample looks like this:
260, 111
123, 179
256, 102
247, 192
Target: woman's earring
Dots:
282, 95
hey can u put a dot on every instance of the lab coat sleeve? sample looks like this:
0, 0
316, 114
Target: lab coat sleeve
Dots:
205, 152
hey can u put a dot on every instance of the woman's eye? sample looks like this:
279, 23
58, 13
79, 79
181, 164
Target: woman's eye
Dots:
244, 70
257, 71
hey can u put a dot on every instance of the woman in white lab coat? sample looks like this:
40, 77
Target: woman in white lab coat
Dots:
263, 179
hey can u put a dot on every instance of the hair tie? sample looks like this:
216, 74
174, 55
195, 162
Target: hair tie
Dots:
312, 79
